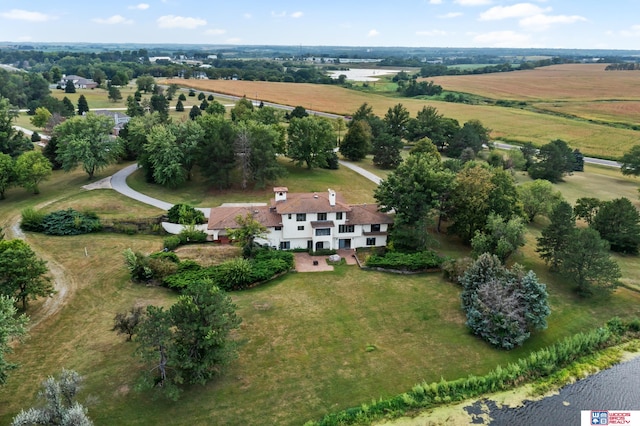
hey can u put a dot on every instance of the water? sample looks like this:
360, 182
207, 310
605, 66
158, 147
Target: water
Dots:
362, 74
617, 388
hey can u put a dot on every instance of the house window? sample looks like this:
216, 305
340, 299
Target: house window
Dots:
289, 215
301, 228
301, 217
285, 245
375, 228
323, 231
322, 216
278, 228
339, 216
346, 228
371, 241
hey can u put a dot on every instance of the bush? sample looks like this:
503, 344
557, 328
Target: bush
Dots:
70, 222
406, 261
190, 235
35, 137
32, 220
454, 269
185, 214
165, 255
235, 274
172, 242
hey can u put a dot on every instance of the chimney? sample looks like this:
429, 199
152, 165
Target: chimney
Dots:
281, 193
332, 197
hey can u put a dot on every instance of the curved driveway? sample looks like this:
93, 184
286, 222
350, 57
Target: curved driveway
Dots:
119, 184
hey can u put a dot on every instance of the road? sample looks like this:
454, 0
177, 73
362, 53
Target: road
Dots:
589, 160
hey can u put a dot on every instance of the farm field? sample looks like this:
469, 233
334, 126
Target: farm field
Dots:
303, 337
510, 124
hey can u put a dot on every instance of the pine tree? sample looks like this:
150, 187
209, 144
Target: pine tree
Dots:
555, 237
83, 105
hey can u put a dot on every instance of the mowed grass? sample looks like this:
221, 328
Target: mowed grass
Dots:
506, 123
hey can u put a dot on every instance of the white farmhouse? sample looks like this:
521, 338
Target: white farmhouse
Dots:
308, 221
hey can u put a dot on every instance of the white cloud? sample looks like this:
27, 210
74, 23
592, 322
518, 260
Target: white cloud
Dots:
297, 14
247, 16
633, 31
542, 22
502, 39
473, 2
435, 1
141, 6
432, 33
519, 10
215, 31
278, 14
172, 21
450, 15
373, 33
25, 15
113, 20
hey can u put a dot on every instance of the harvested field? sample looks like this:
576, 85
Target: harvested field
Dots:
613, 111
578, 82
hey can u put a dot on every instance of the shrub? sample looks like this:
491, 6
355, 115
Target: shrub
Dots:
406, 261
454, 269
32, 220
186, 215
165, 255
190, 235
35, 137
234, 274
70, 222
172, 242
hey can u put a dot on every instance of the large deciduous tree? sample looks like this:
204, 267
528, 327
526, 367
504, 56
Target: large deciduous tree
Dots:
396, 120
217, 155
503, 305
7, 174
12, 326
145, 83
618, 222
41, 117
386, 151
472, 135
538, 198
554, 160
22, 273
500, 237
310, 141
165, 157
631, 162
87, 140
12, 142
585, 261
32, 168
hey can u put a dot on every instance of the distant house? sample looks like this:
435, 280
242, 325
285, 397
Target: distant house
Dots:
78, 82
119, 119
308, 221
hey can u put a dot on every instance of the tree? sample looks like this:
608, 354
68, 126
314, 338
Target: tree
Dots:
585, 261
472, 135
127, 322
32, 168
298, 112
41, 117
500, 237
503, 305
134, 109
415, 190
618, 222
68, 109
22, 273
195, 112
59, 405
538, 198
529, 153
12, 142
217, 156
242, 111
427, 124
7, 174
114, 94
201, 96
179, 106
555, 237
247, 231
357, 142
160, 104
386, 151
188, 136
145, 83
216, 108
310, 141
165, 157
182, 97
396, 120
631, 162
265, 142
554, 160
12, 326
587, 208
69, 87
87, 140
83, 105
204, 105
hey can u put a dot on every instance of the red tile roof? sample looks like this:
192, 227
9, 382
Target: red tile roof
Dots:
225, 217
309, 203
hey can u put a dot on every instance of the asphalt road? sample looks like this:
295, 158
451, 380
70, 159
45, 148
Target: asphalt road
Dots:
589, 160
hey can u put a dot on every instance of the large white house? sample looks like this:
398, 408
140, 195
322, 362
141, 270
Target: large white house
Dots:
313, 221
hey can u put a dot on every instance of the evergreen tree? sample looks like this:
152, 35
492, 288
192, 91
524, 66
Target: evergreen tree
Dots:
555, 237
68, 109
618, 222
179, 106
357, 142
83, 106
69, 87
386, 151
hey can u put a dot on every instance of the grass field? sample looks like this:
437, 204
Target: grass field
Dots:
506, 123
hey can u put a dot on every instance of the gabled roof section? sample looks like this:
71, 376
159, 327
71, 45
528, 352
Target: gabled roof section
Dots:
225, 217
309, 203
365, 214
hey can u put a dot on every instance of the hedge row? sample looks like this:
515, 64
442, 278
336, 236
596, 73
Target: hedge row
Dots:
537, 364
419, 261
60, 222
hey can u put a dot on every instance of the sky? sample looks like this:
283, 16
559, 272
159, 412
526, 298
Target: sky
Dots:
576, 24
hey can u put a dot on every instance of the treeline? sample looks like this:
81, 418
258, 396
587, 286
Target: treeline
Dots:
626, 66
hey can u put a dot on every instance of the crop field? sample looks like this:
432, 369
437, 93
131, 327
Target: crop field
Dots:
510, 124
611, 111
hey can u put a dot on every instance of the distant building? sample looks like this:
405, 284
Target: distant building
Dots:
308, 221
78, 82
119, 119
